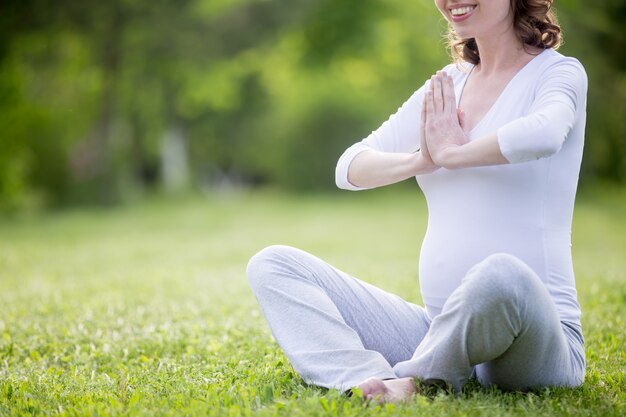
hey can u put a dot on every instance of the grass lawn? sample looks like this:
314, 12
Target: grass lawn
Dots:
145, 310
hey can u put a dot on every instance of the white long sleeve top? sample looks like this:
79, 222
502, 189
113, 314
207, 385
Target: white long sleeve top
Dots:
523, 208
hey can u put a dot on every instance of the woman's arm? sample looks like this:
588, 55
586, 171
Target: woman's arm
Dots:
559, 104
538, 135
481, 152
446, 140
370, 168
390, 154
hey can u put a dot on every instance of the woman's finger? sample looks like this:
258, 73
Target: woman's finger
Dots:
423, 125
461, 116
437, 94
449, 98
424, 115
430, 105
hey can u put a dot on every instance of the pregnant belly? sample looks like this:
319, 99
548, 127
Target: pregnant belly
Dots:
445, 259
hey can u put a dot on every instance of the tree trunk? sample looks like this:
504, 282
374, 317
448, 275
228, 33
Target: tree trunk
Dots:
174, 155
91, 160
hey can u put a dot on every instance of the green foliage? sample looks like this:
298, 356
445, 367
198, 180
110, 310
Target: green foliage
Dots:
264, 92
309, 158
592, 35
345, 27
145, 310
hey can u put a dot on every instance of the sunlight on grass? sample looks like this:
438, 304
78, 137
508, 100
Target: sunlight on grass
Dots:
145, 310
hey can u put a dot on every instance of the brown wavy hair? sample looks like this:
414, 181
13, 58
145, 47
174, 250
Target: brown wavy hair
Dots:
535, 25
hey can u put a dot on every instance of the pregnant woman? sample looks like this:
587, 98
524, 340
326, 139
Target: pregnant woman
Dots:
495, 142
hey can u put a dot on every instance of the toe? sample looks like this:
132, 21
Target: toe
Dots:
372, 388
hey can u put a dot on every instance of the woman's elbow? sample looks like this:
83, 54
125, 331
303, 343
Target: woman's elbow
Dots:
341, 180
549, 145
342, 176
532, 147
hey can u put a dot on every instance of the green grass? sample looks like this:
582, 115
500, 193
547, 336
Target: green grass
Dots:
145, 310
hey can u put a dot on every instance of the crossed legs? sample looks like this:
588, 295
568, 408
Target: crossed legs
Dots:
336, 330
339, 332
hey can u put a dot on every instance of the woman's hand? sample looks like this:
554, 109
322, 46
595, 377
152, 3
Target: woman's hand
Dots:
442, 123
423, 144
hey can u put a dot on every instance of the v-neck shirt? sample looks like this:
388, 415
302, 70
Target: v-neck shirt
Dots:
523, 208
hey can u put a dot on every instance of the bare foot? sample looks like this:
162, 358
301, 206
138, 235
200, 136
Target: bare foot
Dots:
388, 391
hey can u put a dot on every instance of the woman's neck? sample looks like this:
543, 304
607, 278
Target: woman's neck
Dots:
502, 53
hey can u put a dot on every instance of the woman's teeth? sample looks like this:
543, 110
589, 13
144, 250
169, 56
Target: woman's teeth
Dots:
461, 10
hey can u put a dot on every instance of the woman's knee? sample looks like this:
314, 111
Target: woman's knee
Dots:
502, 276
264, 265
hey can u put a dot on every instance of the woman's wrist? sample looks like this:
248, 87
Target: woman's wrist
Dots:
423, 164
450, 157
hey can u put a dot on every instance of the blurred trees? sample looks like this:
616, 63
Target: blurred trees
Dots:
102, 100
594, 35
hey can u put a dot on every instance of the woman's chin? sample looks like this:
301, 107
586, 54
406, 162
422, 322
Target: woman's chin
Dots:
463, 32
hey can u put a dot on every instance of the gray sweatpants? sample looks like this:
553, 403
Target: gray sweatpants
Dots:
499, 325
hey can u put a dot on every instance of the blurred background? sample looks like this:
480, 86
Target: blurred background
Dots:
103, 102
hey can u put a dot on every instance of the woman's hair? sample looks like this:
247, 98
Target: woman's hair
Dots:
535, 25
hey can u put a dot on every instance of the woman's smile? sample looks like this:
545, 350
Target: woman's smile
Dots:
461, 12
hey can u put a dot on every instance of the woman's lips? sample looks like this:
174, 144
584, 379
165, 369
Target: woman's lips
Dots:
460, 13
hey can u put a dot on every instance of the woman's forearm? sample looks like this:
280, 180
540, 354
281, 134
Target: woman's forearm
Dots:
371, 169
480, 152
